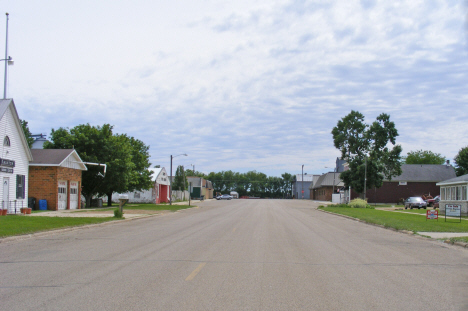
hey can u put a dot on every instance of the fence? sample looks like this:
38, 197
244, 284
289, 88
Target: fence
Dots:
13, 207
179, 195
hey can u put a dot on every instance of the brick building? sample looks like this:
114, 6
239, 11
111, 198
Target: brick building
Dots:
415, 180
55, 176
322, 187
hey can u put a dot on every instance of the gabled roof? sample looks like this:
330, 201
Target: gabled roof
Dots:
57, 157
156, 172
425, 173
327, 180
4, 105
456, 180
160, 176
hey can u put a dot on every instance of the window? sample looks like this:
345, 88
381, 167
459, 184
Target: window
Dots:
453, 191
442, 193
73, 190
6, 141
20, 186
459, 192
463, 193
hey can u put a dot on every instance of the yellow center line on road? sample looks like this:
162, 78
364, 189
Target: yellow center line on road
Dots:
195, 272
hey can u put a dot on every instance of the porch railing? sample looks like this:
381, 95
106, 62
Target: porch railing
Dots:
13, 207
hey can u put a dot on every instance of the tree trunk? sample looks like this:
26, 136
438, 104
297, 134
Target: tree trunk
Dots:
109, 199
88, 200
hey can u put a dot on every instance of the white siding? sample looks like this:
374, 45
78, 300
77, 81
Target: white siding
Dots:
15, 152
72, 162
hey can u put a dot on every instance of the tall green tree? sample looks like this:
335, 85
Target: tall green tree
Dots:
126, 159
27, 132
461, 161
423, 157
180, 180
370, 148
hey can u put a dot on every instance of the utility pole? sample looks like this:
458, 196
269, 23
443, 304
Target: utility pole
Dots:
365, 176
302, 184
6, 59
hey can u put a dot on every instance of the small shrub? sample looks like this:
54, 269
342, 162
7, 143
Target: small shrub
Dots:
118, 213
358, 203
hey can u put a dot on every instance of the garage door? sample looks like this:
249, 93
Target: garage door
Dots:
62, 194
73, 195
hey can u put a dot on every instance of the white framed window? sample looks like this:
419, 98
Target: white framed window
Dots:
442, 193
6, 141
463, 189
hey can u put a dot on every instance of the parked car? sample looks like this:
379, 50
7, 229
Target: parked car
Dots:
432, 202
224, 197
417, 202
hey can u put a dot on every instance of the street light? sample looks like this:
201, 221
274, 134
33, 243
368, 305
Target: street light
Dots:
170, 179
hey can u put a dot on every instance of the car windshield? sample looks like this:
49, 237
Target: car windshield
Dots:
415, 199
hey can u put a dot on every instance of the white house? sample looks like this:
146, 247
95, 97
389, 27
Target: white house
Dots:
14, 159
158, 194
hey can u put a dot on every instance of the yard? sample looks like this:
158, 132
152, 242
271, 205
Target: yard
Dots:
12, 225
410, 220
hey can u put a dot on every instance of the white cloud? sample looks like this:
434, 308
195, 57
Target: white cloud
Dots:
247, 84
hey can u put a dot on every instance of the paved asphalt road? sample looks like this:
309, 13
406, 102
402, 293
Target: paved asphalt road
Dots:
233, 255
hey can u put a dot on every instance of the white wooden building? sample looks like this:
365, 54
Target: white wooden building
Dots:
14, 159
159, 193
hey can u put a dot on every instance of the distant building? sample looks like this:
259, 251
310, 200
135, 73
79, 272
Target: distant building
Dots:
159, 193
301, 186
340, 165
39, 141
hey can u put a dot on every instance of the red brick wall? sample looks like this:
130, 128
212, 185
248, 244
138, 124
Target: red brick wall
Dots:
43, 183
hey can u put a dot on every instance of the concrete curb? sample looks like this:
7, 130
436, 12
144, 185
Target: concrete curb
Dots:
54, 231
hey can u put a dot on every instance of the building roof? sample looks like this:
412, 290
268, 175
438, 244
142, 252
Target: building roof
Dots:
307, 178
456, 180
4, 105
327, 180
156, 172
425, 173
56, 157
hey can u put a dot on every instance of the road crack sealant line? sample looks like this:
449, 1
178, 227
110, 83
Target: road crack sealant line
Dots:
53, 231
461, 244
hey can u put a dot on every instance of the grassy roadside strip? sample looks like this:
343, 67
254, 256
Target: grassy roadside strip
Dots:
400, 221
18, 225
12, 225
145, 207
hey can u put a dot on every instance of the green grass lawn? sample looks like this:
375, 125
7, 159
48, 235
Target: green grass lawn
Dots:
16, 224
402, 221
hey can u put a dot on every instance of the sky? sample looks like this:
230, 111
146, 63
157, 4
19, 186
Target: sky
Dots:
242, 85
